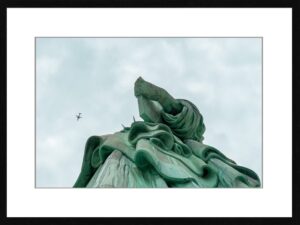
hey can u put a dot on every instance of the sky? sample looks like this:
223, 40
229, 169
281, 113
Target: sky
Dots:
95, 76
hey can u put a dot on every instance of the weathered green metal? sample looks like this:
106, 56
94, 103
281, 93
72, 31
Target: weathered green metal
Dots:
164, 150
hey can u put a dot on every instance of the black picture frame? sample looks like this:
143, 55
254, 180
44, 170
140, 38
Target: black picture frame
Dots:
295, 5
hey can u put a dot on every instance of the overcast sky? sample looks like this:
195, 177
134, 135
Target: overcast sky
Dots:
95, 76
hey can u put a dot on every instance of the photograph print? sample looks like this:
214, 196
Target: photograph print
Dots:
145, 112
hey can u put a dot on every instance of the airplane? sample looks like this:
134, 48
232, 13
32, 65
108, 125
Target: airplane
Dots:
78, 116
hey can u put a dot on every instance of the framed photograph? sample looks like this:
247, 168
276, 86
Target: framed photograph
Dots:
79, 81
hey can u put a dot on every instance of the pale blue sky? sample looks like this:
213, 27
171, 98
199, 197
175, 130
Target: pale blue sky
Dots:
95, 76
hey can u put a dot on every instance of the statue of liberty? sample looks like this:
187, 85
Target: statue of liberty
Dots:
165, 150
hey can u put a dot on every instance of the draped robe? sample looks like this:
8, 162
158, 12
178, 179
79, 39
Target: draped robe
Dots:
164, 150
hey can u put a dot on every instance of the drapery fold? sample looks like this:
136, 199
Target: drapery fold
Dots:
187, 124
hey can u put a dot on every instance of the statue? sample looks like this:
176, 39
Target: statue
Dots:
163, 151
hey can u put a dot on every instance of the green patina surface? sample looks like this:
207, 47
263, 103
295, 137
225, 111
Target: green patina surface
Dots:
164, 150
